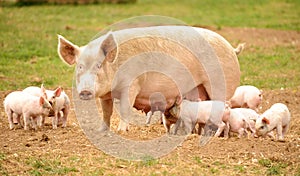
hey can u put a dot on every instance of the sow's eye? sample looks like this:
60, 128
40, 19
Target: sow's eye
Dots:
80, 67
98, 66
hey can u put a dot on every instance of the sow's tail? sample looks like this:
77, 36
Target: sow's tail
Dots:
239, 48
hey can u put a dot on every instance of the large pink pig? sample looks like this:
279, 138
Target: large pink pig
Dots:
132, 64
192, 113
30, 107
246, 97
277, 117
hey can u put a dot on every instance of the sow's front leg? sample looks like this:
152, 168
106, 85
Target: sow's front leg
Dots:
107, 108
125, 112
126, 104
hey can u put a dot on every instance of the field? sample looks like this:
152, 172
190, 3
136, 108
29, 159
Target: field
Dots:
270, 61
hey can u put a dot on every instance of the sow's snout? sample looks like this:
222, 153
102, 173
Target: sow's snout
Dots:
86, 95
85, 86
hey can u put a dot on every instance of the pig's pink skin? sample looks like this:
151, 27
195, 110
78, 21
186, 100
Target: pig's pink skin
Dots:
20, 103
33, 90
59, 100
246, 97
192, 113
240, 120
99, 62
277, 117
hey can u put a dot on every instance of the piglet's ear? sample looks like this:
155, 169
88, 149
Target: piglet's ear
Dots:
178, 100
108, 47
42, 101
57, 92
266, 121
67, 51
43, 90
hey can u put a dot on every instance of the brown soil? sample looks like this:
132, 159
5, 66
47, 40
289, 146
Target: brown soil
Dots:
19, 149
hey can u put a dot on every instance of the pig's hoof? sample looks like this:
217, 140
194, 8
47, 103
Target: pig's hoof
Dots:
123, 127
103, 128
281, 140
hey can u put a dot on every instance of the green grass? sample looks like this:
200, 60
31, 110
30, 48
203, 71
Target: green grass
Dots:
28, 38
278, 68
273, 168
3, 170
48, 167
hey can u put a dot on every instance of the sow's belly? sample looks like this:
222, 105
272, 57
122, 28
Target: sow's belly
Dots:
147, 104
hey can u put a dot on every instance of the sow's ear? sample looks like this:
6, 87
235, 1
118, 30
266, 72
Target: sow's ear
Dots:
265, 120
67, 51
108, 47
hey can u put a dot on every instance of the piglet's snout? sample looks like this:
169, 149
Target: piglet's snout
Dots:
86, 95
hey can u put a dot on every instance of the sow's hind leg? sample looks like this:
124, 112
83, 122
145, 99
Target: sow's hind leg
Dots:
203, 95
199, 93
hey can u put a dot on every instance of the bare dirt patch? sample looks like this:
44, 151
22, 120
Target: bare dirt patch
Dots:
68, 151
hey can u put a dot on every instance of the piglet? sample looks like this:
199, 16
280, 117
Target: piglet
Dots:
30, 107
60, 103
277, 117
246, 97
192, 113
242, 119
158, 103
58, 99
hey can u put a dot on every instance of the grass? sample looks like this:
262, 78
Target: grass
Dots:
28, 41
273, 168
28, 35
280, 66
3, 170
42, 166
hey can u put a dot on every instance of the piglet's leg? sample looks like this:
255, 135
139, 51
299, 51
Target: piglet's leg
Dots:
221, 128
279, 132
41, 121
149, 115
34, 122
166, 123
26, 121
284, 130
55, 120
10, 120
226, 130
65, 116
